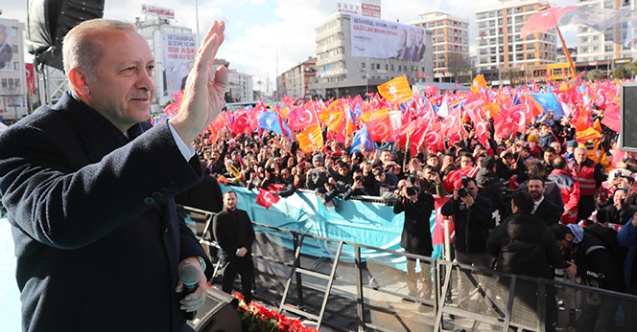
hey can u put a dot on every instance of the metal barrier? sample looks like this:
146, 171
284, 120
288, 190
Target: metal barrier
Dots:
373, 296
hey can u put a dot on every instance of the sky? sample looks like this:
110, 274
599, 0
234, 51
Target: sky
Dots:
267, 37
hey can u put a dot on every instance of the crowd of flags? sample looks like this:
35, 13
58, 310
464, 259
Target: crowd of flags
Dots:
430, 119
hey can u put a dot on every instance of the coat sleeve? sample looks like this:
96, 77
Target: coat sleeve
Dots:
627, 235
53, 198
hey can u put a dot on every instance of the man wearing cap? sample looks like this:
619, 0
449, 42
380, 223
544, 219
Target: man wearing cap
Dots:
570, 150
590, 177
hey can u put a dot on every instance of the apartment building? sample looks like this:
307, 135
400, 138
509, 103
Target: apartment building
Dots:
501, 53
341, 74
450, 36
295, 82
609, 45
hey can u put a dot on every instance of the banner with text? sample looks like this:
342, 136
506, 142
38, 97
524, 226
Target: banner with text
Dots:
179, 58
375, 38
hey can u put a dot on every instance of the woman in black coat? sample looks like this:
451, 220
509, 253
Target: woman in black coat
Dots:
416, 236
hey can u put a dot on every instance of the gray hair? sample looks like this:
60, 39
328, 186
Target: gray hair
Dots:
81, 46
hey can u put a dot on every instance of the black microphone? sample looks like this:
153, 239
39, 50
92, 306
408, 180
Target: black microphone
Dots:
189, 277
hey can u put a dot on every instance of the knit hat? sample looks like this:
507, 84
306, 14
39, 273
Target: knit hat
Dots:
318, 157
571, 144
533, 138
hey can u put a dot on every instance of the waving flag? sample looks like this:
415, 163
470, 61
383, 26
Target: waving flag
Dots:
310, 139
396, 91
302, 117
241, 123
612, 117
380, 128
478, 83
266, 198
334, 116
362, 141
549, 103
270, 121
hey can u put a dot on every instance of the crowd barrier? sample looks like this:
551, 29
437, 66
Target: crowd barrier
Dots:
369, 220
461, 297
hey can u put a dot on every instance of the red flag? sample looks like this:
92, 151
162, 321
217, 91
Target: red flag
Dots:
241, 123
380, 129
266, 198
302, 117
455, 175
438, 236
612, 117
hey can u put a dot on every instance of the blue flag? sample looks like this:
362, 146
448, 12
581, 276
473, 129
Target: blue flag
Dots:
270, 121
549, 103
362, 141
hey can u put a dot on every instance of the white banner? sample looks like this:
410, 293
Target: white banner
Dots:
179, 58
8, 41
374, 38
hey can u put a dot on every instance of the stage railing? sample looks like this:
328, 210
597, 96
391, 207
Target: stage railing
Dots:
372, 295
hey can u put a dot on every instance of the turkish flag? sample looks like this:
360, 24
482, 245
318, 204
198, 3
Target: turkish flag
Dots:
266, 198
438, 234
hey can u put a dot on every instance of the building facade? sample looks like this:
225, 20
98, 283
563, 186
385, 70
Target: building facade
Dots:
596, 47
450, 42
13, 88
340, 74
295, 83
240, 87
501, 53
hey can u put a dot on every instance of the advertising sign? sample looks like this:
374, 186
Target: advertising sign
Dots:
374, 38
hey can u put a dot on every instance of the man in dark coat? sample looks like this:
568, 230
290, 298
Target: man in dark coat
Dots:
416, 236
233, 231
523, 244
543, 208
593, 264
89, 187
472, 216
490, 186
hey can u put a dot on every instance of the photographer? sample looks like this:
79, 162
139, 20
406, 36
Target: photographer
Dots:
317, 176
471, 214
416, 235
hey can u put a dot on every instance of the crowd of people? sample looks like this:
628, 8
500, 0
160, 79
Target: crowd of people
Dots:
542, 179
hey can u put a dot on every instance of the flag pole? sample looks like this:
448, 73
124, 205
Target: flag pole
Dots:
566, 52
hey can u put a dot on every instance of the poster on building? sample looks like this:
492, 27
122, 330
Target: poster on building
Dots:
179, 58
374, 38
8, 37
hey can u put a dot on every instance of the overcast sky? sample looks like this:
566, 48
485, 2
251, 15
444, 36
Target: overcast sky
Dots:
263, 35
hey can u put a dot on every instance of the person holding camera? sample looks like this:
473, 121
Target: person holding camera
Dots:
416, 235
471, 214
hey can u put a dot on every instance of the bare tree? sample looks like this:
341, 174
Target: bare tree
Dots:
458, 64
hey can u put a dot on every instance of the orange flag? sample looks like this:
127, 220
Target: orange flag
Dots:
587, 134
333, 116
310, 139
478, 83
396, 91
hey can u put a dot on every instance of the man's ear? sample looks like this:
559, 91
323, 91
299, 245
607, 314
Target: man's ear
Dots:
79, 81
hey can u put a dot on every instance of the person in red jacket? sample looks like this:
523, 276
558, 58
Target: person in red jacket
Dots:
569, 188
590, 176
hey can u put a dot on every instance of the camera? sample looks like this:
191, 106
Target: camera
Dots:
411, 191
462, 192
358, 178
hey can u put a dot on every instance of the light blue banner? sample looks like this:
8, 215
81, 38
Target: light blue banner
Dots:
371, 224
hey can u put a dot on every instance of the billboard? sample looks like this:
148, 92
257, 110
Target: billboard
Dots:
375, 38
8, 43
159, 11
179, 58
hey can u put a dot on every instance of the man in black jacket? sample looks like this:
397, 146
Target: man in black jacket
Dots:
471, 214
490, 186
233, 231
89, 188
523, 244
543, 208
416, 236
595, 265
